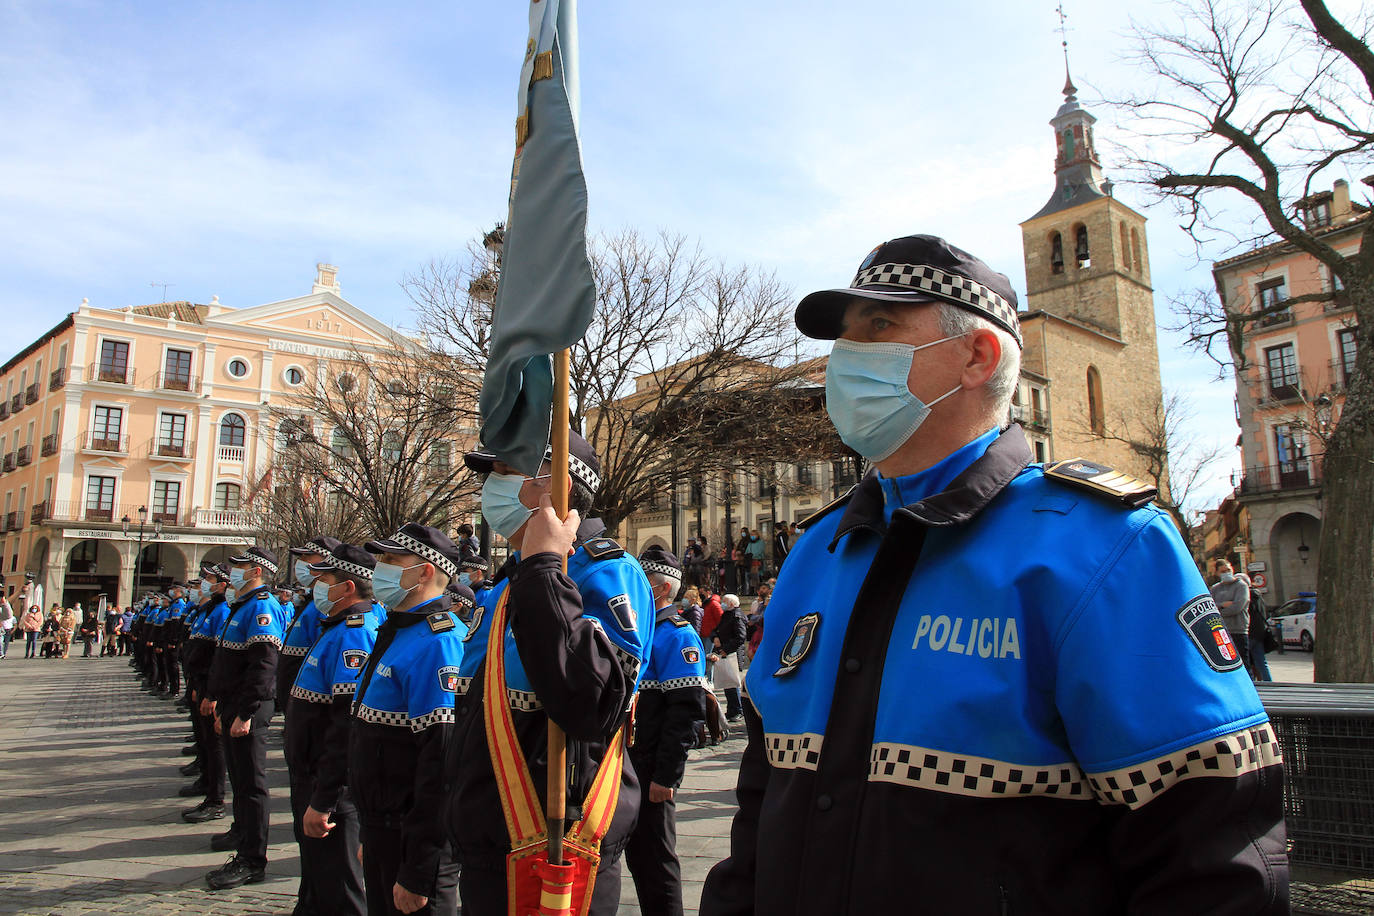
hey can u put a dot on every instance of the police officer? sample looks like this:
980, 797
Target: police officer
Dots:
988, 686
403, 721
670, 709
573, 648
317, 728
153, 680
241, 691
171, 642
199, 657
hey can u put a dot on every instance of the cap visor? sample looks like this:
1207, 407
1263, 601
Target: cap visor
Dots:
245, 558
322, 567
481, 462
301, 551
821, 315
384, 545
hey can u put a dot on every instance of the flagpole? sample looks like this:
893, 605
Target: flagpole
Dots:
557, 802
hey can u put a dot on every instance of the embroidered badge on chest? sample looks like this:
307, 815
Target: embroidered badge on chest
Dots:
354, 658
264, 619
1205, 626
448, 678
798, 644
690, 655
624, 612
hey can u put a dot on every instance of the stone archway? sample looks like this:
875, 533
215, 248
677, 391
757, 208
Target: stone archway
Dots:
1295, 568
92, 569
159, 565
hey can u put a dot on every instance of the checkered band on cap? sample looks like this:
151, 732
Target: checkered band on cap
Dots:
420, 549
943, 285
348, 566
663, 569
472, 561
257, 559
579, 469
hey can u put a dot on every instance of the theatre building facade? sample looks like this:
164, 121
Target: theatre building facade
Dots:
131, 439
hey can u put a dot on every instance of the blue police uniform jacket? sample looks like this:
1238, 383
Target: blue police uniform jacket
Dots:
243, 672
672, 698
301, 633
171, 623
321, 701
983, 690
574, 650
200, 642
402, 725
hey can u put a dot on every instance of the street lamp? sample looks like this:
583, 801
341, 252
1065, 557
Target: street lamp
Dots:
138, 554
1303, 549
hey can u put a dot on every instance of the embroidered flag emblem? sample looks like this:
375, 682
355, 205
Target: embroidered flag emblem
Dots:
448, 678
354, 658
690, 655
799, 643
1205, 626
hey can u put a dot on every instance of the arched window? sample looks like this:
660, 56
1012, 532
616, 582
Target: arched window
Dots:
1080, 247
227, 496
232, 429
1135, 252
1097, 415
1056, 253
1125, 249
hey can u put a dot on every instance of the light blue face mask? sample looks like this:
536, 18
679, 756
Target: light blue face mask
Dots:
867, 397
501, 505
236, 577
386, 584
466, 579
320, 593
303, 574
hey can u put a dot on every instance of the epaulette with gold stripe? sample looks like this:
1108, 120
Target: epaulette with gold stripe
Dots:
1098, 478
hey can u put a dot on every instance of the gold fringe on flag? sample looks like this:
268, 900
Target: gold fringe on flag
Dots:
522, 129
543, 66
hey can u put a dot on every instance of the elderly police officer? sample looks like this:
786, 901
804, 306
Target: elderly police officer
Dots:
671, 707
241, 693
317, 726
573, 648
987, 686
403, 722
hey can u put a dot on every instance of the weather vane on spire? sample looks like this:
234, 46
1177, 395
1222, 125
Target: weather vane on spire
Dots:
1063, 30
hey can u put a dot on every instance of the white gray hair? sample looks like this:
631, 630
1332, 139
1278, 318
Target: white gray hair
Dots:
1001, 385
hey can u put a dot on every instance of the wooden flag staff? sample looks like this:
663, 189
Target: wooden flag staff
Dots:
556, 805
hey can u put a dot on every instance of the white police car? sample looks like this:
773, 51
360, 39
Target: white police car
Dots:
1297, 620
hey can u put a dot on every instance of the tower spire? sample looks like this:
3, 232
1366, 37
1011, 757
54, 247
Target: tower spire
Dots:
1070, 91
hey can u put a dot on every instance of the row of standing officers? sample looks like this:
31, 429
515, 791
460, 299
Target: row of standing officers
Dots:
377, 668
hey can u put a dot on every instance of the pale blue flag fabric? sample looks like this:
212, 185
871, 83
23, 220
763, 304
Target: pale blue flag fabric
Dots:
546, 294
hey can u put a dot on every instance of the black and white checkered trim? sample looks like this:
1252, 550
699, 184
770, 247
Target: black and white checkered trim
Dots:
628, 662
1226, 756
233, 646
344, 689
444, 564
463, 684
794, 752
958, 774
348, 566
256, 559
300, 693
675, 683
523, 700
263, 637
942, 285
663, 569
378, 717
444, 714
295, 651
579, 469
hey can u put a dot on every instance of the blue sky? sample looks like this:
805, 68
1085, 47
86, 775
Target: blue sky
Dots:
224, 148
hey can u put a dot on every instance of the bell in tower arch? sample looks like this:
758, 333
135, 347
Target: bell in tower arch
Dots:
1080, 250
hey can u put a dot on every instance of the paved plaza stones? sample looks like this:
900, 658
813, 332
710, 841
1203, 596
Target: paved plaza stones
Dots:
90, 822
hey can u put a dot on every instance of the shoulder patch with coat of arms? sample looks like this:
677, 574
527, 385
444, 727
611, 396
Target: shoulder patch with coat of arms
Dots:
264, 619
448, 678
354, 658
691, 655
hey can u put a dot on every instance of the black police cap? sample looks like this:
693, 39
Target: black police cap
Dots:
583, 464
320, 543
258, 556
662, 561
429, 544
911, 269
347, 558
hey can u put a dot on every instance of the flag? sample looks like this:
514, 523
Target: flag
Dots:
546, 294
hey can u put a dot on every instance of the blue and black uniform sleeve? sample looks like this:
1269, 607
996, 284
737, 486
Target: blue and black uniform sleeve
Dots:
331, 773
431, 686
682, 679
264, 631
582, 650
1168, 729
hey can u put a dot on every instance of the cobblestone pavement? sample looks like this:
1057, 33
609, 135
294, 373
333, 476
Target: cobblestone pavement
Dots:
90, 820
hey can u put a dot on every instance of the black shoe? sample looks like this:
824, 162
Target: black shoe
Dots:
223, 842
205, 811
196, 788
191, 769
233, 874
188, 751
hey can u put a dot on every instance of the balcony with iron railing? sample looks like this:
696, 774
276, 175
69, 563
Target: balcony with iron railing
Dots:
38, 513
175, 451
57, 379
4, 410
23, 456
7, 464
31, 393
17, 403
226, 519
1031, 417
78, 511
176, 381
49, 445
1341, 371
106, 442
14, 521
110, 373
1298, 474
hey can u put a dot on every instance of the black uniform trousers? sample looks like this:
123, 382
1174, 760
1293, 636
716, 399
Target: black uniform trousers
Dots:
211, 747
382, 862
483, 890
331, 878
651, 856
246, 758
171, 662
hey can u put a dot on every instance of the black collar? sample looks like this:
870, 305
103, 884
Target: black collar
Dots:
357, 607
241, 600
403, 619
664, 614
590, 528
966, 496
